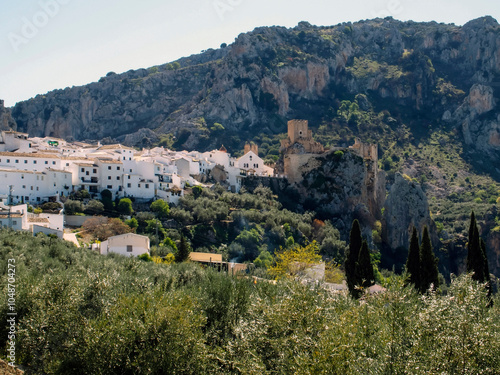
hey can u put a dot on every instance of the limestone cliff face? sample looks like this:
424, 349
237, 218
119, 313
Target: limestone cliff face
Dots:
335, 184
479, 122
6, 120
273, 73
406, 206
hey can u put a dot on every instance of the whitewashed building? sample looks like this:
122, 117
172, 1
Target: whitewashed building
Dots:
128, 244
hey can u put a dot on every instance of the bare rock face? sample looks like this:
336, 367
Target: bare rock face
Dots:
406, 207
6, 120
479, 123
335, 184
480, 99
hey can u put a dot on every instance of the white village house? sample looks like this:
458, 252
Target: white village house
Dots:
128, 244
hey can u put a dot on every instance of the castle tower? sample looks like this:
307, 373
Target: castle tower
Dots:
298, 129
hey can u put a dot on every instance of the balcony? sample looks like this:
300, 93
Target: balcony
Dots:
91, 181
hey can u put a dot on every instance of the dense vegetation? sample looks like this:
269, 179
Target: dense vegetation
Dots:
81, 313
240, 226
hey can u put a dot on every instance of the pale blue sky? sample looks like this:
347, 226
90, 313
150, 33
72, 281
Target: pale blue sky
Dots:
51, 44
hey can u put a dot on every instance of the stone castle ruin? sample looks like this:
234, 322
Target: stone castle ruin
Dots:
299, 147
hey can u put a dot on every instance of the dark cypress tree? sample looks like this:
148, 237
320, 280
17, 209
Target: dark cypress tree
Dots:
364, 267
428, 264
413, 261
183, 251
352, 256
477, 262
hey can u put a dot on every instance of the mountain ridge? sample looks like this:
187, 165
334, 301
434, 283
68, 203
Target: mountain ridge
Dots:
272, 74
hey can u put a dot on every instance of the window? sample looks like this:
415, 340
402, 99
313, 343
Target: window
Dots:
67, 164
14, 222
32, 188
54, 163
22, 177
46, 162
109, 177
128, 177
24, 186
34, 161
83, 169
250, 157
147, 186
117, 168
17, 161
131, 171
37, 189
138, 185
129, 248
94, 170
25, 161
109, 167
8, 160
110, 186
129, 185
118, 178
86, 173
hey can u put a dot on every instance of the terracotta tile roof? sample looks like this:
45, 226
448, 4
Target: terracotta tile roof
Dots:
109, 161
29, 155
205, 257
115, 146
38, 220
20, 171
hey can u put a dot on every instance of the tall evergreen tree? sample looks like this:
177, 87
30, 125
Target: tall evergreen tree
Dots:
413, 261
477, 262
183, 251
364, 267
428, 264
352, 256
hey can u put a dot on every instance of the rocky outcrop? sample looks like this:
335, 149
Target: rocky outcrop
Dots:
479, 122
335, 185
406, 207
6, 120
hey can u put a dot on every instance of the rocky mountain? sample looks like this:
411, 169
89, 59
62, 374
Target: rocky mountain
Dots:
441, 72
